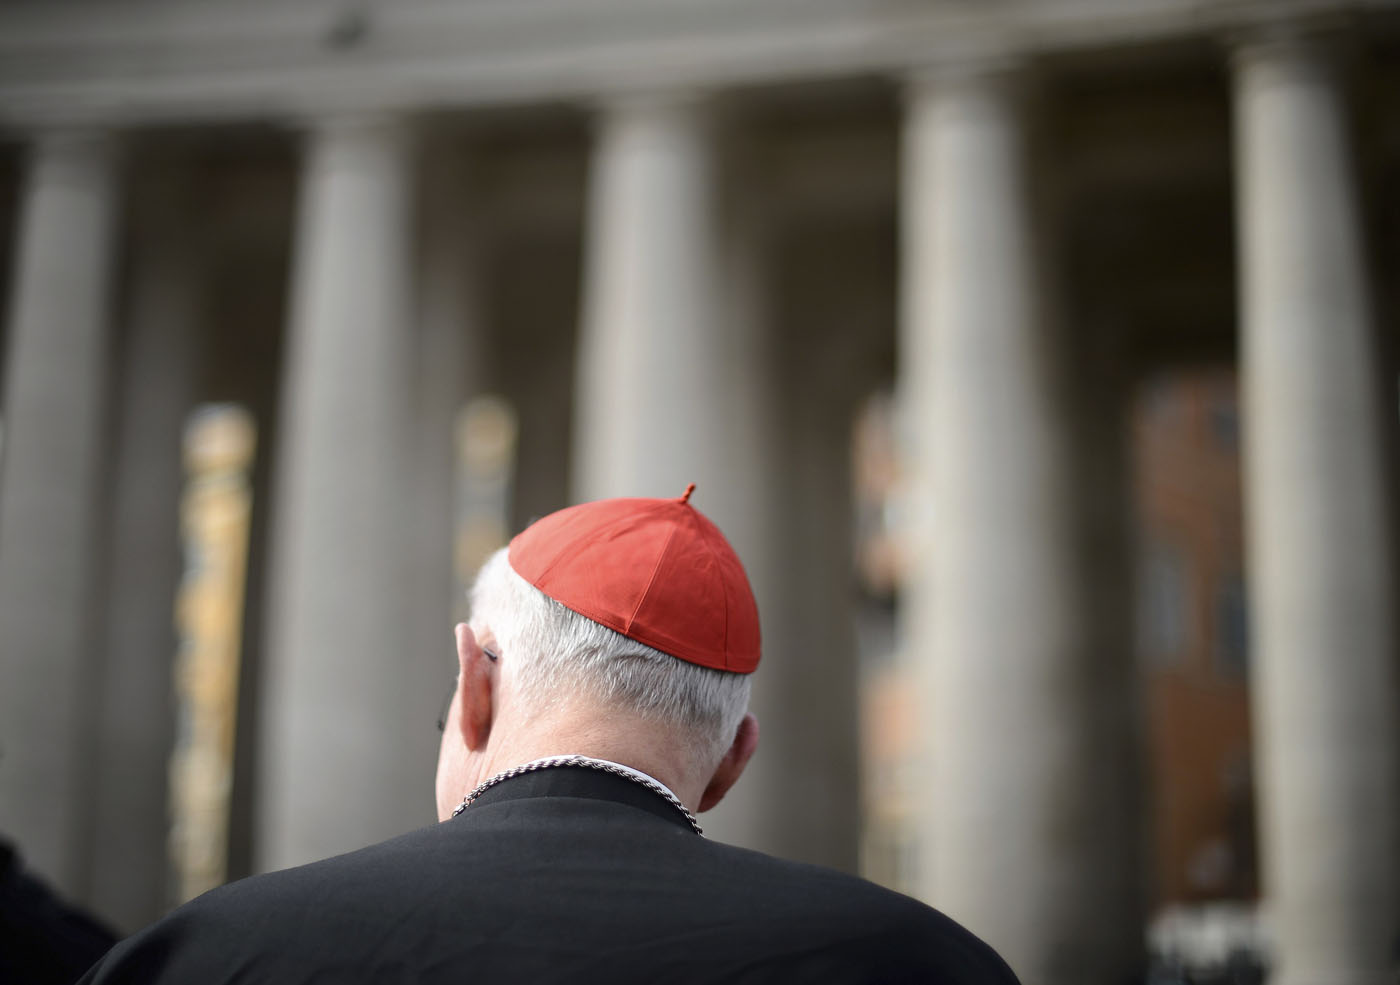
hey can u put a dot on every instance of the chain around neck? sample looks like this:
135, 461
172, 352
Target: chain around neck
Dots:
586, 762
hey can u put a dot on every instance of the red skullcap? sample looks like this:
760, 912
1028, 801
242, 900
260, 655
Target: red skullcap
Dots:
655, 570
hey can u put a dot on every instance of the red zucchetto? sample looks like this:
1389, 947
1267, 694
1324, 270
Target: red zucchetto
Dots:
655, 570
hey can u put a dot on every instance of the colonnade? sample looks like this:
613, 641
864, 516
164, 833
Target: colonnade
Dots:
1025, 825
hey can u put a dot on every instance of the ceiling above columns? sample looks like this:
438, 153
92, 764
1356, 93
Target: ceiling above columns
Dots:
130, 62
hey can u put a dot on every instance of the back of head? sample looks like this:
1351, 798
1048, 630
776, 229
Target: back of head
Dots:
581, 597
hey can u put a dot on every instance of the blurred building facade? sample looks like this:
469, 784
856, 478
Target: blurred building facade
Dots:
1192, 637
685, 242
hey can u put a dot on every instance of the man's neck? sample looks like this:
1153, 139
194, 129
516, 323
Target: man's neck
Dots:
604, 736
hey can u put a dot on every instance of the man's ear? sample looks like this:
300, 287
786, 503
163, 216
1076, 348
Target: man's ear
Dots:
476, 685
733, 763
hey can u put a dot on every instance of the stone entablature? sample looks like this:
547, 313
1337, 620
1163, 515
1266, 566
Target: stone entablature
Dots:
164, 62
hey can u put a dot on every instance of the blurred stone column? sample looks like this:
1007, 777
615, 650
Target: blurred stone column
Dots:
676, 385
50, 490
651, 386
129, 807
1019, 830
341, 767
1321, 537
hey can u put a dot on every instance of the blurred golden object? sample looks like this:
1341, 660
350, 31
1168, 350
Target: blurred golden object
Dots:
220, 441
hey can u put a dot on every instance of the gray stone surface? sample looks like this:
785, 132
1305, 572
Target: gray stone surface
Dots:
1320, 528
651, 356
1016, 816
130, 809
55, 388
344, 760
228, 60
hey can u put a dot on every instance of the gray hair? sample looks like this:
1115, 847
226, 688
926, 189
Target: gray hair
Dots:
557, 652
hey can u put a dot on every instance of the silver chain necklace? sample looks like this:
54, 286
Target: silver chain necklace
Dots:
587, 763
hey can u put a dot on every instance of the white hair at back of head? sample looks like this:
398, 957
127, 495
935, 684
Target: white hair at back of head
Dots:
557, 653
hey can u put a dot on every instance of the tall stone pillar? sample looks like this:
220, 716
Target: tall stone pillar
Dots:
1320, 527
1019, 829
129, 803
675, 386
342, 762
50, 490
651, 353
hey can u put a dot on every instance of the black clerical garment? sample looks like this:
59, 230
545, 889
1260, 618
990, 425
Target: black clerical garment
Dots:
43, 939
563, 875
